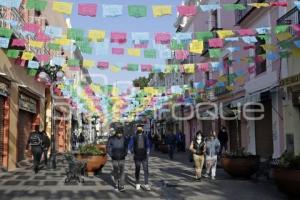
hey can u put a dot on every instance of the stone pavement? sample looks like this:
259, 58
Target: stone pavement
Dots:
169, 180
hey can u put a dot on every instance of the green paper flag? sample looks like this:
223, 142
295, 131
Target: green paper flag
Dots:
264, 37
12, 53
38, 5
234, 6
284, 54
55, 47
5, 32
150, 53
73, 63
133, 67
84, 46
285, 44
202, 36
175, 45
31, 72
281, 28
215, 53
75, 34
137, 11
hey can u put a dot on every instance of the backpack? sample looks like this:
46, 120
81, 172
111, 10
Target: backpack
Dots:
35, 140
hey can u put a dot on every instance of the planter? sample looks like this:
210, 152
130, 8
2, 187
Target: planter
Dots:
101, 147
242, 167
94, 163
287, 180
164, 148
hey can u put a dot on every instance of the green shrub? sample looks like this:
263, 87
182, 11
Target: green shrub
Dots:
289, 160
91, 150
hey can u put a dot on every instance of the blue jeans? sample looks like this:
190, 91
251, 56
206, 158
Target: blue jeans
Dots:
171, 151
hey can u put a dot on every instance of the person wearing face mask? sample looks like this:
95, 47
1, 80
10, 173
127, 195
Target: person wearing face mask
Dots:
140, 147
197, 147
212, 150
223, 138
117, 148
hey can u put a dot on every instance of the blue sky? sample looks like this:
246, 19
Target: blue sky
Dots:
127, 24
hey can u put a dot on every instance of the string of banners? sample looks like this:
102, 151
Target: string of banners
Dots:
137, 11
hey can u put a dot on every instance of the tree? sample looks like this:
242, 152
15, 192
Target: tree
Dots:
141, 82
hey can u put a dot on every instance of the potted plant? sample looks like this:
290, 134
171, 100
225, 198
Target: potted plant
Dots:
95, 158
287, 174
240, 163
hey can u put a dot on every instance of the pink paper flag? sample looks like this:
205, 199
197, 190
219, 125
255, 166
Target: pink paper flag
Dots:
43, 58
280, 3
118, 51
141, 46
215, 43
42, 37
118, 37
203, 67
103, 65
187, 10
246, 32
296, 27
76, 69
146, 67
87, 9
251, 70
20, 62
181, 54
34, 28
162, 38
18, 42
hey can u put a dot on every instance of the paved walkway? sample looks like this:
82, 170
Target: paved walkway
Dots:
169, 180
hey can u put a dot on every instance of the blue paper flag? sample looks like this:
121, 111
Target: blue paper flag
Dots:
112, 10
4, 42
33, 64
10, 3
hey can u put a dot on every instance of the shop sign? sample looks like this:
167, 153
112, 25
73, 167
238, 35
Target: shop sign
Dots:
290, 80
3, 89
28, 104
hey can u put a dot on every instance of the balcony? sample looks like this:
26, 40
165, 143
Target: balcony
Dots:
291, 17
240, 15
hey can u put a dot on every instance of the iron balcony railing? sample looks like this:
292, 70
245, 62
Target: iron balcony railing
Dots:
291, 17
240, 15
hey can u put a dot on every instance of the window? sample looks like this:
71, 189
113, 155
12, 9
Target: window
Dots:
260, 65
214, 19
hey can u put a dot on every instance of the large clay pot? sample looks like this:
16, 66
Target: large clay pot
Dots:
101, 147
287, 180
242, 167
94, 163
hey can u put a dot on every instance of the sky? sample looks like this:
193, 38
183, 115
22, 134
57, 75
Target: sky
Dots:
127, 24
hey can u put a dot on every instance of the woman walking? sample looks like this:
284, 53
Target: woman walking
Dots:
197, 147
212, 150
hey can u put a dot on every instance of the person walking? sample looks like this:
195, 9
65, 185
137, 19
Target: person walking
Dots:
180, 138
223, 138
139, 145
117, 147
171, 142
197, 147
81, 139
46, 145
36, 145
212, 150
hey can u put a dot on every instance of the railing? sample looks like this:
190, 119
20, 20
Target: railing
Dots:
240, 15
291, 17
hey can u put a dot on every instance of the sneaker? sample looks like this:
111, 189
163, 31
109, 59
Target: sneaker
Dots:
198, 179
121, 188
138, 186
206, 175
116, 187
147, 187
213, 178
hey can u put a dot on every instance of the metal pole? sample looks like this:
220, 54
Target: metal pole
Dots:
53, 138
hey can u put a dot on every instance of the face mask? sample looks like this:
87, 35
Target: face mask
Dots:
199, 138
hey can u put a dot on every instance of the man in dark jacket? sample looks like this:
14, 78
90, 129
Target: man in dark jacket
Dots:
171, 142
139, 145
46, 145
117, 147
35, 141
223, 138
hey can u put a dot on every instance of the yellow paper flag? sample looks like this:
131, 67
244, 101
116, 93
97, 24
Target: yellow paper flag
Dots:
283, 36
196, 46
189, 68
62, 41
161, 10
27, 55
36, 44
268, 47
259, 5
96, 35
62, 7
115, 68
225, 33
240, 80
230, 87
134, 52
296, 52
88, 63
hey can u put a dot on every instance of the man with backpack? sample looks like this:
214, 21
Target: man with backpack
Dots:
140, 147
36, 144
46, 145
117, 147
